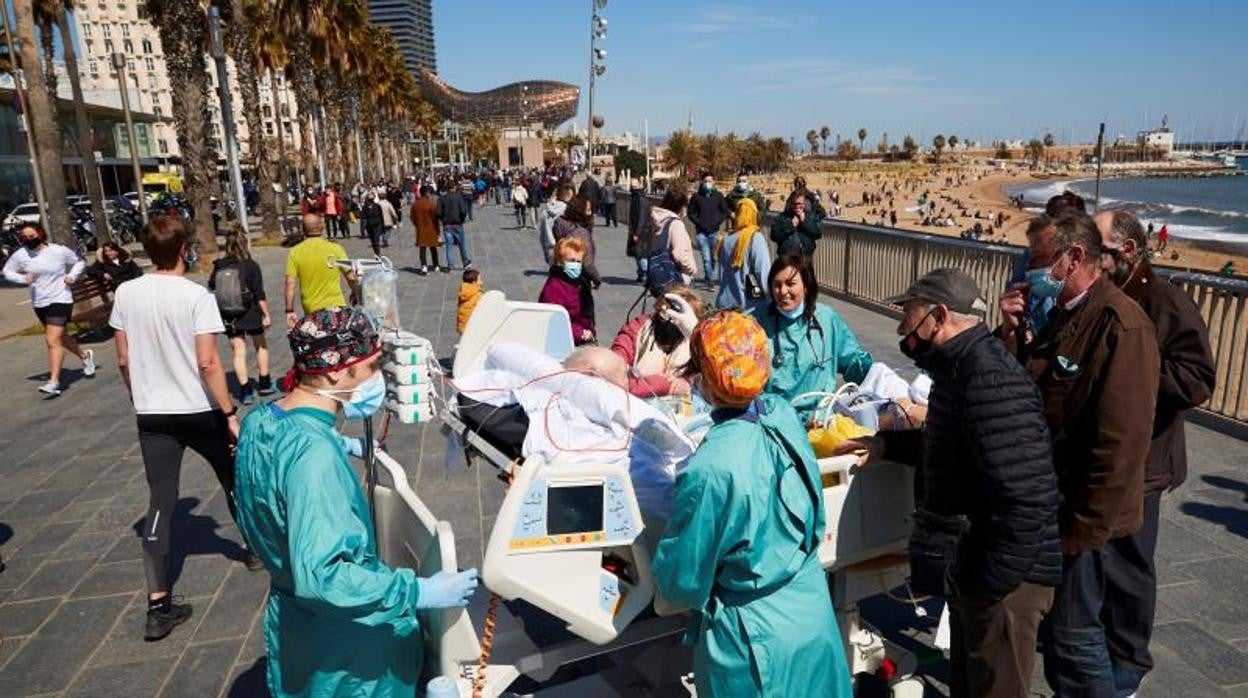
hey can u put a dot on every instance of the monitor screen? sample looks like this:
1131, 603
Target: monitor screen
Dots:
576, 509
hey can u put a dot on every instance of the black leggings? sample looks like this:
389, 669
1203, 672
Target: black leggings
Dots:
374, 238
434, 252
163, 438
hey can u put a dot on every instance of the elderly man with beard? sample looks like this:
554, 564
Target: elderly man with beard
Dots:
1188, 375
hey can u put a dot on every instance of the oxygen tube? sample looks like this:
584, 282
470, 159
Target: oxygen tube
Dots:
370, 470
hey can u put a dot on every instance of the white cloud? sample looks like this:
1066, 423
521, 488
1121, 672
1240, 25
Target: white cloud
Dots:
723, 19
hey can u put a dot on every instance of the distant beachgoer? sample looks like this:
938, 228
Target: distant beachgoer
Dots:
1163, 238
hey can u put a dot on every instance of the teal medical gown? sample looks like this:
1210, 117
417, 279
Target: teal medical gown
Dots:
741, 550
339, 622
809, 359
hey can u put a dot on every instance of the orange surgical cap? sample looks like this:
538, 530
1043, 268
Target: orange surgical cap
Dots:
729, 350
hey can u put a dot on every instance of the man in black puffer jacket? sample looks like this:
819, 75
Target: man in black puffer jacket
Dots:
985, 534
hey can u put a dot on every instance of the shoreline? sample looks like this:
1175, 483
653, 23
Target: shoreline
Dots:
961, 190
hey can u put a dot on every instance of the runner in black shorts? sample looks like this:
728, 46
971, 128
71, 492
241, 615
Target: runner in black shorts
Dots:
50, 270
251, 322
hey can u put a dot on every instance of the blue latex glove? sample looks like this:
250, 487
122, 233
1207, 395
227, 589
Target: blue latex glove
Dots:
446, 589
354, 445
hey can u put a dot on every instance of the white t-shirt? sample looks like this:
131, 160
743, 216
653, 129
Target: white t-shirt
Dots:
161, 315
49, 266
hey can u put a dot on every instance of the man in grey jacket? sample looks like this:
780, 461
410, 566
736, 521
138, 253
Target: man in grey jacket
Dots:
546, 220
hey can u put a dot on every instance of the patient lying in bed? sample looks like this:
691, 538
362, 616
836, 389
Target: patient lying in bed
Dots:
582, 411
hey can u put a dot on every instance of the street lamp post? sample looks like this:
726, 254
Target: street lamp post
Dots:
20, 90
227, 116
597, 32
119, 64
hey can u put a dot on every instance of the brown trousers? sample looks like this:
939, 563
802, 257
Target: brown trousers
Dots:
994, 642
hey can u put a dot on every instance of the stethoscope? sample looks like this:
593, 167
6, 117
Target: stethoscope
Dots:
777, 354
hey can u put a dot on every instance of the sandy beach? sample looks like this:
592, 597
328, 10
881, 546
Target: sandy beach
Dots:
960, 189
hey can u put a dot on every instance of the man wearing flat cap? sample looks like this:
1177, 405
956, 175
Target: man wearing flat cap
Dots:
985, 532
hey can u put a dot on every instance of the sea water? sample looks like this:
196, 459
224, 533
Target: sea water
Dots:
1197, 208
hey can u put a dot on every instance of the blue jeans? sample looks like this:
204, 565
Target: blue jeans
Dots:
454, 234
643, 266
468, 204
1076, 656
706, 242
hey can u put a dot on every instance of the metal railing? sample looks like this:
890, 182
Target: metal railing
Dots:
867, 264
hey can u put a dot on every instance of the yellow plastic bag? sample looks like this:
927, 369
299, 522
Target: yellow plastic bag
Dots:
838, 430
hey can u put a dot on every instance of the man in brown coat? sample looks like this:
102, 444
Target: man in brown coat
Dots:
1188, 375
1097, 366
424, 215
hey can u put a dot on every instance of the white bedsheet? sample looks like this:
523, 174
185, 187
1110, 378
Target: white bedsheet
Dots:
584, 419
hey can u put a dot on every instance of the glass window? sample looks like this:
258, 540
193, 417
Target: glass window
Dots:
106, 30
108, 46
94, 67
162, 144
86, 31
158, 112
268, 128
125, 30
128, 46
268, 111
147, 46
149, 64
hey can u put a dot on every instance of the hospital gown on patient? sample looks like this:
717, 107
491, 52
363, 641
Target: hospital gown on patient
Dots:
741, 550
339, 622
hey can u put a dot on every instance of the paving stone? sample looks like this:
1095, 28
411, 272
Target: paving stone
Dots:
1177, 544
85, 545
111, 578
48, 660
22, 617
18, 570
127, 547
53, 578
1220, 611
234, 611
201, 575
8, 648
48, 538
134, 679
1174, 676
1220, 662
38, 505
203, 669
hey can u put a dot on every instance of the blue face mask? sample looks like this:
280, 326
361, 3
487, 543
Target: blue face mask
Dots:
573, 269
1043, 285
794, 313
708, 188
365, 399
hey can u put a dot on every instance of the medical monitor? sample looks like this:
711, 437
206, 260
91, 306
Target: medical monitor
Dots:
574, 509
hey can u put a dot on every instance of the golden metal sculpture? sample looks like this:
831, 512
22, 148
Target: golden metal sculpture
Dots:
543, 102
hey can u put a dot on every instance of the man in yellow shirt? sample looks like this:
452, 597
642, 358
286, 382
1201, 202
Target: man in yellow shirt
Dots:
310, 264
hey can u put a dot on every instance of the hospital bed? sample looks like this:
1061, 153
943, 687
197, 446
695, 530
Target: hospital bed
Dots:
570, 551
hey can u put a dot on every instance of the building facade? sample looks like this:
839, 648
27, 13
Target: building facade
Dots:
411, 23
105, 27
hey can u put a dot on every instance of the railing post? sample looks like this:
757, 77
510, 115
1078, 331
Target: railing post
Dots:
916, 246
849, 236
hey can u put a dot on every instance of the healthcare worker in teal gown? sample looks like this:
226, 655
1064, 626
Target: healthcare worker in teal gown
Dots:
810, 343
339, 621
741, 548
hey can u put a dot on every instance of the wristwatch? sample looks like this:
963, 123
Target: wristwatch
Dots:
232, 413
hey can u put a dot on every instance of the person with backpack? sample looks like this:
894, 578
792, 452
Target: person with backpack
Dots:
640, 227
743, 261
373, 221
238, 285
669, 259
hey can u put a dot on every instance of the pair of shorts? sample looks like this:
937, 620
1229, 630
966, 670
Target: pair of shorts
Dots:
249, 332
56, 314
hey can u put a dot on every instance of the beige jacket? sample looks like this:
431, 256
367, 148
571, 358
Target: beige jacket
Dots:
679, 241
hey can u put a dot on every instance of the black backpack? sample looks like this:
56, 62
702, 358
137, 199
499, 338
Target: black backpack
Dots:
662, 271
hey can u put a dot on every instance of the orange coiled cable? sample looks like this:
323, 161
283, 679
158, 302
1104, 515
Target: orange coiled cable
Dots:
491, 619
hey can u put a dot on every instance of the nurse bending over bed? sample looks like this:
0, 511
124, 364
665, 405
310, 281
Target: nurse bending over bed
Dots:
741, 547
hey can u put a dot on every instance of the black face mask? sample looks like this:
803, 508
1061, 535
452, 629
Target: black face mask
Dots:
1123, 268
31, 243
666, 334
922, 347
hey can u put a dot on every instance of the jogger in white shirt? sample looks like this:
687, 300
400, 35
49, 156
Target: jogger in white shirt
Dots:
50, 270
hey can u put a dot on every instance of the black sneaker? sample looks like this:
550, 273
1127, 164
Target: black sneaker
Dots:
161, 623
265, 386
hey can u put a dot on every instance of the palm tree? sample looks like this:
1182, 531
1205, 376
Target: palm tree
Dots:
862, 139
56, 12
1035, 151
482, 142
246, 22
1048, 142
41, 111
682, 152
909, 146
754, 152
953, 141
939, 144
715, 156
778, 152
812, 137
183, 28
824, 134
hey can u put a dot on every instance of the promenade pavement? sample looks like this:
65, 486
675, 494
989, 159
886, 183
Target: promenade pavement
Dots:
72, 492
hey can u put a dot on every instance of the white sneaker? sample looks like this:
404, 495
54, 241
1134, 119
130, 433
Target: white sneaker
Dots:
88, 364
51, 388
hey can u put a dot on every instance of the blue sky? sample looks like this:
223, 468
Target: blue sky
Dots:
982, 70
